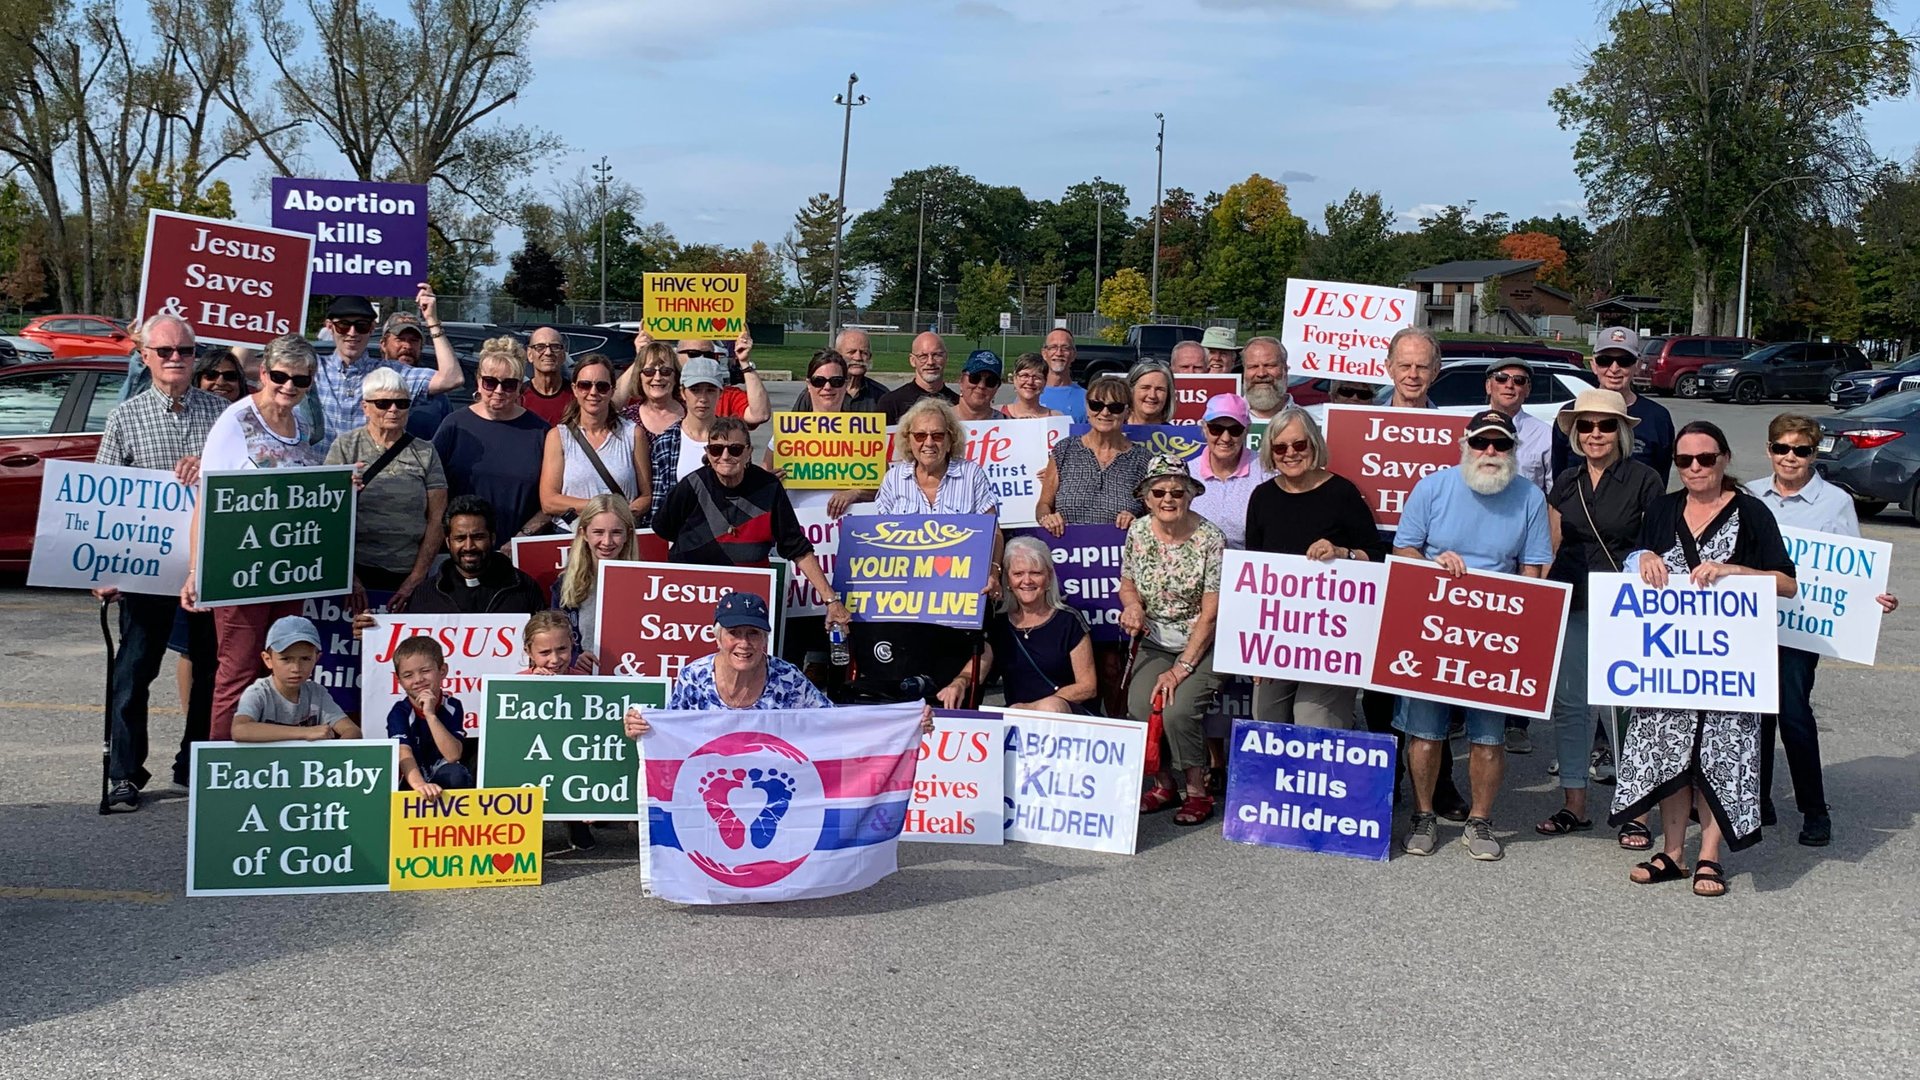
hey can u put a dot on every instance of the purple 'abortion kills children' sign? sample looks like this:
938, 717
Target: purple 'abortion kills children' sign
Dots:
1310, 788
369, 239
1086, 561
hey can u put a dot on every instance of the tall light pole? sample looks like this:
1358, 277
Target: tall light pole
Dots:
1099, 212
604, 173
848, 101
918, 244
1159, 172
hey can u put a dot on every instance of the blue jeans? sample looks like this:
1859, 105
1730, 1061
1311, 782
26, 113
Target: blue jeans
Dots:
1798, 731
145, 624
449, 773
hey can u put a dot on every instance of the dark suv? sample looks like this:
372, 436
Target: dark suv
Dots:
1787, 369
1671, 365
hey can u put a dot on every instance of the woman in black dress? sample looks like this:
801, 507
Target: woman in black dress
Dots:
1042, 645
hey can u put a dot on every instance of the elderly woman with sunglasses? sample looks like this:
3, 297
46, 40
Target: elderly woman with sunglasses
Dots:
1800, 498
595, 450
1703, 762
1170, 599
397, 525
1594, 513
1029, 382
1229, 470
1306, 509
648, 392
219, 372
494, 448
267, 429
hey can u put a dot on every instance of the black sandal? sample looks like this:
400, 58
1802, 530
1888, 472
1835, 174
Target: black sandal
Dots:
1635, 837
1659, 868
1561, 823
1709, 871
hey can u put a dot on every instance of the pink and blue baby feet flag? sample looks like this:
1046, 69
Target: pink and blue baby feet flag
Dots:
755, 806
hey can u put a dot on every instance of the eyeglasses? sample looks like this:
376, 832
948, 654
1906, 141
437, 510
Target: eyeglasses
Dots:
593, 386
821, 382
987, 378
929, 436
1504, 377
1588, 427
709, 354
1489, 442
1781, 449
219, 376
1233, 430
1354, 393
726, 449
390, 404
488, 382
1168, 493
1615, 360
282, 378
352, 326
941, 355
1114, 407
1297, 446
658, 372
547, 346
1706, 461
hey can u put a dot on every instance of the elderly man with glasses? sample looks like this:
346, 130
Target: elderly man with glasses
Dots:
547, 394
337, 382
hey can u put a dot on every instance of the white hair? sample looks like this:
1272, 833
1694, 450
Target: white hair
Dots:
154, 322
382, 384
1036, 549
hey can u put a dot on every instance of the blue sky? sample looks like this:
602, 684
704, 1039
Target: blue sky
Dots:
721, 111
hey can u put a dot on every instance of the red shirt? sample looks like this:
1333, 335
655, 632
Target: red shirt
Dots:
544, 407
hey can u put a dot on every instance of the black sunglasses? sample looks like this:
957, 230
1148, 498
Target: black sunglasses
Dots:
987, 377
821, 382
726, 449
358, 326
1504, 377
281, 378
168, 352
1781, 449
1297, 446
1489, 442
488, 382
1706, 461
1114, 407
1588, 427
390, 404
220, 376
1615, 360
1355, 393
699, 352
1234, 430
593, 386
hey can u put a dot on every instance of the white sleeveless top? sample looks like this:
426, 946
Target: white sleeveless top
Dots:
582, 481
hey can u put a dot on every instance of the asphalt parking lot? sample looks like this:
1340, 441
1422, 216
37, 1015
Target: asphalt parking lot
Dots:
1192, 958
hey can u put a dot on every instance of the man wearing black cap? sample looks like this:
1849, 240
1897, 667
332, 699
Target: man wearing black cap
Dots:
1470, 517
336, 383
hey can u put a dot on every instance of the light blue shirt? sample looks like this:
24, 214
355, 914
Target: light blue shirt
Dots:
1534, 449
1489, 532
337, 387
1069, 399
1819, 506
965, 489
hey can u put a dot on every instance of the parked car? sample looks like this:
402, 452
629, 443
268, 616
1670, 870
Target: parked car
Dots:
50, 409
1145, 341
608, 341
1859, 387
1488, 348
1671, 365
1462, 387
424, 418
1873, 452
15, 349
1786, 369
76, 336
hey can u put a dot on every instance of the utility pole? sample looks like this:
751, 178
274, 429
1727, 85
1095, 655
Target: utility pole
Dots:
1159, 173
918, 245
1740, 320
1099, 213
603, 172
847, 101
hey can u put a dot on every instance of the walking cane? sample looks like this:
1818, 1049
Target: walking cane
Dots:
106, 714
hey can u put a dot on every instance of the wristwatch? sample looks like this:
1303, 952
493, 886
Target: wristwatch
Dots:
1188, 668
748, 368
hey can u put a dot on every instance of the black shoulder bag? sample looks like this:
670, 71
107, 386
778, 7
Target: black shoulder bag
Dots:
594, 457
405, 440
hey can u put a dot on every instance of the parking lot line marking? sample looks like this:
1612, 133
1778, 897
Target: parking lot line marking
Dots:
89, 896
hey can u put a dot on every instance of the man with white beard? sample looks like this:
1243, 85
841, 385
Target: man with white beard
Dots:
1263, 377
1474, 517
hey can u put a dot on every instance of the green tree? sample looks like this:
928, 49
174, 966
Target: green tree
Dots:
1357, 245
1124, 300
1072, 221
967, 222
1452, 234
1706, 117
1887, 267
985, 292
1489, 298
758, 262
1255, 241
807, 251
535, 278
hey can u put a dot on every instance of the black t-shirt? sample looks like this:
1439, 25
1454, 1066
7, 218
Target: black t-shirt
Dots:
1284, 523
895, 403
1039, 661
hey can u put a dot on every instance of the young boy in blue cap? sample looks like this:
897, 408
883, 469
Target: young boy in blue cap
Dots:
287, 705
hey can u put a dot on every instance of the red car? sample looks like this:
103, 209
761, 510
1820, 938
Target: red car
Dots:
50, 409
75, 336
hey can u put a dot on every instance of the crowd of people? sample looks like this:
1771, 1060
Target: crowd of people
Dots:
551, 445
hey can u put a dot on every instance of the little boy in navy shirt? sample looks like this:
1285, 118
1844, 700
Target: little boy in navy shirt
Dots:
428, 725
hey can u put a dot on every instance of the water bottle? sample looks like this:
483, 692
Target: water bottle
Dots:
837, 650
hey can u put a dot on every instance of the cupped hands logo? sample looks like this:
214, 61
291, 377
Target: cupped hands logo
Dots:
925, 536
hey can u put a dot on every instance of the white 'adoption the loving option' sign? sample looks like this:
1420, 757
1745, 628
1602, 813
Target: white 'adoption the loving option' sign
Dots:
109, 526
1682, 647
1835, 611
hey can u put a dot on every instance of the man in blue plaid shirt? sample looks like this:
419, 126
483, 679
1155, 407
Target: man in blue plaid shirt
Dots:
337, 380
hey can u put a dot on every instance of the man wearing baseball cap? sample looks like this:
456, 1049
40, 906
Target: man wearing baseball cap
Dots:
1223, 349
1509, 380
1472, 516
1616, 353
336, 382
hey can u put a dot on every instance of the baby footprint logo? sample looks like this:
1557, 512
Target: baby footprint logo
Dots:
778, 787
716, 790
